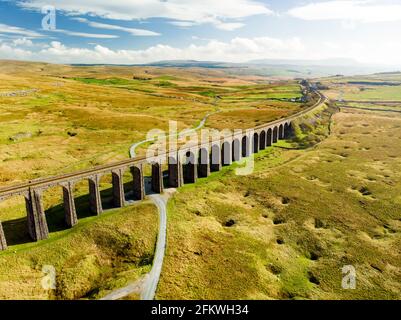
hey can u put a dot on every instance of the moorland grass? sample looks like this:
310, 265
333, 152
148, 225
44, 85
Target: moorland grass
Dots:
298, 219
96, 256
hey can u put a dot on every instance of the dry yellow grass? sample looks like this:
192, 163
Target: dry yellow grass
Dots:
299, 218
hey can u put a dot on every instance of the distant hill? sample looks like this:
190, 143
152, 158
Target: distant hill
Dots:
324, 62
283, 67
274, 68
191, 64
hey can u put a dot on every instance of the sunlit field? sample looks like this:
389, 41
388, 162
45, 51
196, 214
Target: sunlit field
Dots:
326, 197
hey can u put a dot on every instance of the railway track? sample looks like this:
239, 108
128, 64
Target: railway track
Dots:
82, 174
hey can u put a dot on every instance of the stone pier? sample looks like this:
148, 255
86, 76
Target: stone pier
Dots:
236, 150
95, 199
138, 182
37, 224
269, 138
246, 147
255, 143
275, 134
3, 243
190, 168
215, 158
287, 131
281, 132
262, 140
118, 188
157, 178
175, 174
226, 154
204, 163
70, 213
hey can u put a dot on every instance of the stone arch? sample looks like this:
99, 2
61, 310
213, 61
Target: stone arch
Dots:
275, 134
215, 158
236, 150
269, 137
281, 131
226, 153
138, 182
175, 175
255, 142
95, 200
246, 148
106, 190
262, 140
189, 168
203, 163
157, 184
14, 230
287, 130
59, 206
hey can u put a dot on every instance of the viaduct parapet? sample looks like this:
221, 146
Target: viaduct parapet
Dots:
184, 166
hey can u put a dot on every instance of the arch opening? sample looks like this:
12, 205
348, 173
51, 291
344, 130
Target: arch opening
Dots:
236, 150
255, 143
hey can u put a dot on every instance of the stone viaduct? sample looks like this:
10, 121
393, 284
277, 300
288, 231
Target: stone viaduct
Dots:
184, 166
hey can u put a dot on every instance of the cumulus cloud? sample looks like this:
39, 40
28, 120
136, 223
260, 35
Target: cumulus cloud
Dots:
22, 42
132, 31
213, 12
9, 52
351, 10
236, 50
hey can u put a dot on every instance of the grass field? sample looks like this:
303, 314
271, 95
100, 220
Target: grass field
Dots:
286, 231
375, 88
327, 198
57, 119
99, 254
85, 116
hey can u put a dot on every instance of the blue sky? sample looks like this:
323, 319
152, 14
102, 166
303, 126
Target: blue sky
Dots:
139, 31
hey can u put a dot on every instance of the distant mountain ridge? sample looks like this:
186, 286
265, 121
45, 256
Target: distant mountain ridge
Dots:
305, 62
275, 67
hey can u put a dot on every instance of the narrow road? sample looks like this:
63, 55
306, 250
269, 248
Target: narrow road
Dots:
147, 285
152, 279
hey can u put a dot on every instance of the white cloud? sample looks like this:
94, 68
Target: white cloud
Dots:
10, 52
4, 28
351, 10
236, 50
132, 31
184, 24
197, 11
229, 26
85, 35
22, 42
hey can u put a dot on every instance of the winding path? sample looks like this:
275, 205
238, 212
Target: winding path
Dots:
146, 286
152, 279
